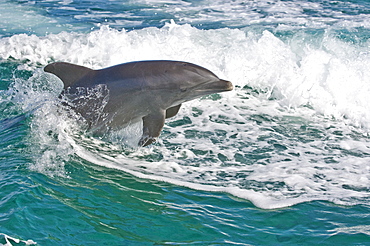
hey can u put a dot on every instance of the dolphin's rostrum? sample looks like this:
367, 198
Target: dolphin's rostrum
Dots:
150, 91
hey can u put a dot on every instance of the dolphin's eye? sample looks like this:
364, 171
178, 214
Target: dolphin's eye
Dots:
183, 89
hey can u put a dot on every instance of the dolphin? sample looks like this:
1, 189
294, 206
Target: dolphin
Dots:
147, 91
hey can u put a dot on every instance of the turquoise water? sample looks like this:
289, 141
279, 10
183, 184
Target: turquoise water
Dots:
284, 159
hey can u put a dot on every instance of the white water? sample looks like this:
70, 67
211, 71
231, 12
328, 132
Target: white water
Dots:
294, 129
279, 15
9, 240
327, 74
283, 15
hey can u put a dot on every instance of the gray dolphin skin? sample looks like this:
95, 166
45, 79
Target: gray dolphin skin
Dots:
151, 91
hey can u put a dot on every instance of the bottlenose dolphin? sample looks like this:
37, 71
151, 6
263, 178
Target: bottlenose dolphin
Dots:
151, 91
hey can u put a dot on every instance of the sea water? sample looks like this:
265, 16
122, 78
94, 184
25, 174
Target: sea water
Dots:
283, 159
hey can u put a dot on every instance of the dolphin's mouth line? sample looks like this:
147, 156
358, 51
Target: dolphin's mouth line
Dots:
204, 89
213, 86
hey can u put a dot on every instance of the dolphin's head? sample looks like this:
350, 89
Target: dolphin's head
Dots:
192, 81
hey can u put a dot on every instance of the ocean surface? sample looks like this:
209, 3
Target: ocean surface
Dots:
283, 159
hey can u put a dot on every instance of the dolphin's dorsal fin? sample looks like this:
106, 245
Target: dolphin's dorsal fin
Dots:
67, 72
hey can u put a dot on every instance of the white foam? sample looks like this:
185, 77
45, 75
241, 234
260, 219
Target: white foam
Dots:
332, 78
293, 130
9, 241
283, 15
133, 167
272, 14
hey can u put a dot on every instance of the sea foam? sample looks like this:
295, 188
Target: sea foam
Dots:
293, 130
327, 74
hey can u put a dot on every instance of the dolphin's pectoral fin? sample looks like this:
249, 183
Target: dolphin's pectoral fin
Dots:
152, 126
171, 112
